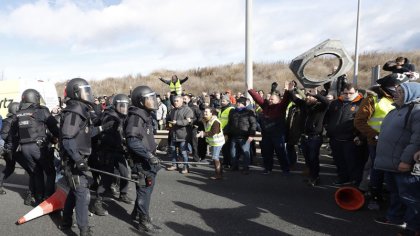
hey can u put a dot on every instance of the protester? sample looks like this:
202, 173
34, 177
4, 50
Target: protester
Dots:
214, 138
397, 143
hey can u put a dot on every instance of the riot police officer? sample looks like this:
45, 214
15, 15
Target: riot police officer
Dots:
113, 152
10, 155
141, 144
75, 138
33, 120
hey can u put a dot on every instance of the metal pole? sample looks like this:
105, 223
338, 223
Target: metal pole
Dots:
356, 53
113, 175
248, 46
185, 162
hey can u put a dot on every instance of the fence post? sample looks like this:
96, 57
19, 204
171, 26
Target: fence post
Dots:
376, 73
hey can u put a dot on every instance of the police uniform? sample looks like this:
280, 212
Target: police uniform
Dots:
11, 156
32, 123
76, 132
138, 130
114, 148
141, 143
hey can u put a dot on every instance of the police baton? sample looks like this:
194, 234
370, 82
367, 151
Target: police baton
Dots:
113, 175
185, 162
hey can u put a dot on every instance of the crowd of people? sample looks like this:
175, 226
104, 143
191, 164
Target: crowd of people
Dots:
373, 134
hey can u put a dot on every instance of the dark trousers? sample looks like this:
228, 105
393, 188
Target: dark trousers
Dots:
38, 157
291, 153
78, 198
271, 144
226, 153
404, 196
110, 161
199, 146
348, 160
144, 193
376, 176
310, 149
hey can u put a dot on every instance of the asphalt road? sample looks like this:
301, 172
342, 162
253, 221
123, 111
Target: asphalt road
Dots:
193, 204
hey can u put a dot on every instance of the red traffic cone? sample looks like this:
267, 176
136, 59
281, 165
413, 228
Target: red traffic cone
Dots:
53, 203
349, 198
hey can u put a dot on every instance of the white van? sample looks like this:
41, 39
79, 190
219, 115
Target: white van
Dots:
11, 91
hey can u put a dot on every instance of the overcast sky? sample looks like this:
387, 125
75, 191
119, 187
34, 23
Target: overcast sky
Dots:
94, 39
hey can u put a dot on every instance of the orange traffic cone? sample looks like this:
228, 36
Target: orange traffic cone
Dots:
349, 198
53, 203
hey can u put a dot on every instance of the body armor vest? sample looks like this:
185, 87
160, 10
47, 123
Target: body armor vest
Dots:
31, 127
139, 124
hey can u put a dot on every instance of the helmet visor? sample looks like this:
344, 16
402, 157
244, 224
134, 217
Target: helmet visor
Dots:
150, 101
122, 106
85, 93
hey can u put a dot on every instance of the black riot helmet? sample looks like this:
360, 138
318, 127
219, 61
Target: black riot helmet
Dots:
79, 89
144, 97
121, 103
13, 108
31, 96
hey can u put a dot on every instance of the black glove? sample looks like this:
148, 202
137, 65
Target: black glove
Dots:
274, 87
82, 165
153, 160
106, 126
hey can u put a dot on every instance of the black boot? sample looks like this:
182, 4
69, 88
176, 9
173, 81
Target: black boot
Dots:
124, 198
86, 231
29, 199
145, 225
97, 208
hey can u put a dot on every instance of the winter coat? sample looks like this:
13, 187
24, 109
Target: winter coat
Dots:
399, 138
339, 118
366, 111
179, 131
242, 123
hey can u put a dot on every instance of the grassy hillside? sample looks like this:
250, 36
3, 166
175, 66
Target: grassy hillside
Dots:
232, 76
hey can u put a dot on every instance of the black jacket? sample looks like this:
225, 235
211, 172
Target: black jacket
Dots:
406, 67
313, 114
295, 124
242, 123
339, 120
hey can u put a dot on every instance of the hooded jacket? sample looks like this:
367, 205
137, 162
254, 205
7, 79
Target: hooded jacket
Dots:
400, 132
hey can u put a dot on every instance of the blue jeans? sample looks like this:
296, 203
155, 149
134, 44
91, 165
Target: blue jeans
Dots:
404, 194
243, 145
271, 144
310, 149
182, 150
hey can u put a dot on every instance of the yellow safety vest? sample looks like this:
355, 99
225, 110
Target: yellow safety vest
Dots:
177, 87
217, 139
382, 108
224, 116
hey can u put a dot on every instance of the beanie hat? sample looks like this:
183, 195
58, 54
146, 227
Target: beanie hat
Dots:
241, 100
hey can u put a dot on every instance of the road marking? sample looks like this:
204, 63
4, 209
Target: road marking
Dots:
332, 217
